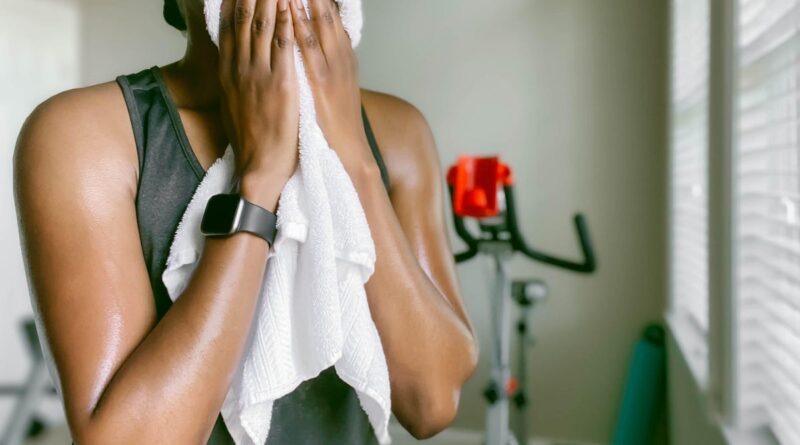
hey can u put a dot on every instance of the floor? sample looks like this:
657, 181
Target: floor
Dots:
60, 436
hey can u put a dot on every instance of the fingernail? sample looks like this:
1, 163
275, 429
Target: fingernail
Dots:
283, 5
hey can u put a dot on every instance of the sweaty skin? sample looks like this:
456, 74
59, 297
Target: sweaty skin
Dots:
129, 379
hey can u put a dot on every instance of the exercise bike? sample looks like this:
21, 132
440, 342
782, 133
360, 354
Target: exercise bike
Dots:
482, 188
23, 422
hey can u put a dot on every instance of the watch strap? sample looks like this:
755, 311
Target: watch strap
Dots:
258, 221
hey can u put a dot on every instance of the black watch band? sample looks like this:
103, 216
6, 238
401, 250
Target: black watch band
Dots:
230, 213
259, 221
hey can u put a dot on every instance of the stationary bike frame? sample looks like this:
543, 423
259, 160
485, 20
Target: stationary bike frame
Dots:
482, 188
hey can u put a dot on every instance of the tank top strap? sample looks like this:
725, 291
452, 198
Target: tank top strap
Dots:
132, 85
373, 145
155, 117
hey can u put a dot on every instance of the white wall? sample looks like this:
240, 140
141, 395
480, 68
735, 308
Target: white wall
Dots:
39, 46
123, 37
571, 94
691, 421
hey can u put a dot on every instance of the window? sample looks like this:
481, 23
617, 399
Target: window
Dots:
767, 216
736, 98
689, 171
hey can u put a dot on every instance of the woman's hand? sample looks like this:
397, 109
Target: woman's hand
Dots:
260, 100
332, 69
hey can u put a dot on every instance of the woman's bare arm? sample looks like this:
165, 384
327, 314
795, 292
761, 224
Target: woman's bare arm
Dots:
414, 294
126, 378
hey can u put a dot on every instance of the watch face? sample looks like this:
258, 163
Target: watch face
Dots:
222, 215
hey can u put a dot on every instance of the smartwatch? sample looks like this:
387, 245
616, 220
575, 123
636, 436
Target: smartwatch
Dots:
230, 213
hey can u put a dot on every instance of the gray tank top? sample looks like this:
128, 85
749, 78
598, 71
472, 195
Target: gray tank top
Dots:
321, 410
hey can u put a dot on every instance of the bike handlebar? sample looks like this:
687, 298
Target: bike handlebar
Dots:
588, 264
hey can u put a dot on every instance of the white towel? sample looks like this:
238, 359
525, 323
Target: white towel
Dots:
313, 311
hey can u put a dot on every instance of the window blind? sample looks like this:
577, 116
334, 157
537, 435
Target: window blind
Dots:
689, 163
767, 216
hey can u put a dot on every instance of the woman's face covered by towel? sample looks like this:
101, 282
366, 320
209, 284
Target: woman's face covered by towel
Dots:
195, 14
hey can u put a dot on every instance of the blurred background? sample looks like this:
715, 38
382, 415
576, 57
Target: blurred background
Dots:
646, 116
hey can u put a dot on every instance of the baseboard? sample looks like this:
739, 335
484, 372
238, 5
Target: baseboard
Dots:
458, 436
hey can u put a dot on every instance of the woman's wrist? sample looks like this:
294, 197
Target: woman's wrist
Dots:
263, 188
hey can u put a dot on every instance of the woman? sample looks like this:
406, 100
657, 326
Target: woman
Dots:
103, 174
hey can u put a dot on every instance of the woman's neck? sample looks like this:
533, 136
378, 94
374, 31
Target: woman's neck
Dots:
194, 80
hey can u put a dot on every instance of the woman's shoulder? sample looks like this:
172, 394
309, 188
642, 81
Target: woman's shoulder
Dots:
91, 115
395, 115
75, 132
404, 136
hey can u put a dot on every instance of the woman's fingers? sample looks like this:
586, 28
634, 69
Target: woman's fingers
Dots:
339, 24
226, 38
327, 24
283, 42
315, 62
263, 30
243, 23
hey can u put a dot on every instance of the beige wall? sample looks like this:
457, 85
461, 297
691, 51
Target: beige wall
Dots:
571, 93
691, 418
122, 37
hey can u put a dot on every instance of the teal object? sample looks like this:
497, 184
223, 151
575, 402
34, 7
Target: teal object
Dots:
645, 390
